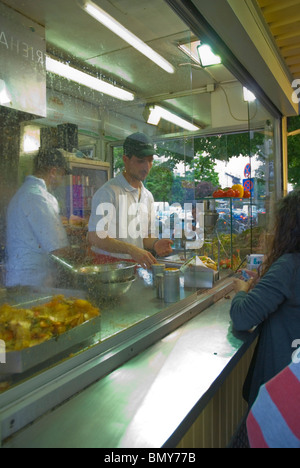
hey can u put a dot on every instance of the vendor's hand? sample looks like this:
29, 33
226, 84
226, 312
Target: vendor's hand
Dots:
240, 285
142, 257
163, 247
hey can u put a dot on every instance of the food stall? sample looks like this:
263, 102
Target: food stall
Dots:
117, 347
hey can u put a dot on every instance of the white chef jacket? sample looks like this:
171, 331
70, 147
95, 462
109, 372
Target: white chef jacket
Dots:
34, 229
119, 210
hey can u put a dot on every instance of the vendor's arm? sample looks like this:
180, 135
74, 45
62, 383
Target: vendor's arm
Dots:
141, 256
115, 246
101, 230
162, 247
252, 308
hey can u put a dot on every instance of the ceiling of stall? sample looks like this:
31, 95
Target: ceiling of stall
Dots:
71, 32
283, 20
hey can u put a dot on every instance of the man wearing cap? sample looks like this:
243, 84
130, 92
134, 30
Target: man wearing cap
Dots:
34, 227
122, 219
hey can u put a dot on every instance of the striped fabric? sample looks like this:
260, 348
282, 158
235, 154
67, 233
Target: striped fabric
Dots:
274, 420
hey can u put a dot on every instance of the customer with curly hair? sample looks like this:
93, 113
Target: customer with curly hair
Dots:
274, 301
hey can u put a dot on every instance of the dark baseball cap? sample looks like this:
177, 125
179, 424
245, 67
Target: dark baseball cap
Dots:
52, 158
139, 145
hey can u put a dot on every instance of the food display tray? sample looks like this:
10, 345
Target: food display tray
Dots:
199, 277
195, 276
17, 362
172, 261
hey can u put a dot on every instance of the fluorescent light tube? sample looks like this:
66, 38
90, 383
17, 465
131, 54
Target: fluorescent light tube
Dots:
157, 113
207, 57
111, 23
59, 68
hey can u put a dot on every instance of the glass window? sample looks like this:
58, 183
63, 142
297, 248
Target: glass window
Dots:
95, 90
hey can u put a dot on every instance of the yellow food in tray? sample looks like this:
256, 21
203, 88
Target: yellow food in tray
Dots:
25, 328
209, 263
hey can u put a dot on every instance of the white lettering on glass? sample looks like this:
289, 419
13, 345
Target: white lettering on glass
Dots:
22, 49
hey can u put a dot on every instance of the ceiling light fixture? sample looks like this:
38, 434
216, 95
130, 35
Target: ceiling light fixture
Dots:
111, 23
248, 95
5, 98
190, 49
157, 113
59, 68
207, 57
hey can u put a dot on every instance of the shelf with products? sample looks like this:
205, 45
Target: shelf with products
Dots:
233, 229
76, 195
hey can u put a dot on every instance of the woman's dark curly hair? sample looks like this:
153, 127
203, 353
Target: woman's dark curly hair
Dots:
286, 235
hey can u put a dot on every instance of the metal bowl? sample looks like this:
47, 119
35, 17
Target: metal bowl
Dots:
108, 291
108, 273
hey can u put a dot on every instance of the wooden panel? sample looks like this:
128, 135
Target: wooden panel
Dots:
283, 19
218, 422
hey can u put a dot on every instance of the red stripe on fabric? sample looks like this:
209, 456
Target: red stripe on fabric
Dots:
255, 435
284, 390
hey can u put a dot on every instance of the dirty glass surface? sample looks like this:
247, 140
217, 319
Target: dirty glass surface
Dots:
220, 140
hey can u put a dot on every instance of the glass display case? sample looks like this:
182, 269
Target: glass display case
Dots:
233, 229
224, 230
224, 129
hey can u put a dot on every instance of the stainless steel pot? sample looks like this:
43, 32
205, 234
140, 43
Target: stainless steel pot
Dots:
107, 273
107, 291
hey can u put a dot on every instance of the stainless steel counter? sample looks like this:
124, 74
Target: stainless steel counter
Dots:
137, 305
150, 401
117, 315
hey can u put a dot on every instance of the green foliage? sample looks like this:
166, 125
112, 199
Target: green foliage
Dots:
294, 152
224, 147
199, 156
160, 182
203, 168
118, 160
219, 147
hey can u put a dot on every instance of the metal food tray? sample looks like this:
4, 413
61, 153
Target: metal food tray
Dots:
199, 277
173, 261
21, 361
195, 276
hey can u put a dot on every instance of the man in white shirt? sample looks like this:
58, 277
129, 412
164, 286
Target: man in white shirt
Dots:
122, 219
34, 227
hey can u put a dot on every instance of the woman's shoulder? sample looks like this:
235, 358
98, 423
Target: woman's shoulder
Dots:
289, 258
287, 262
